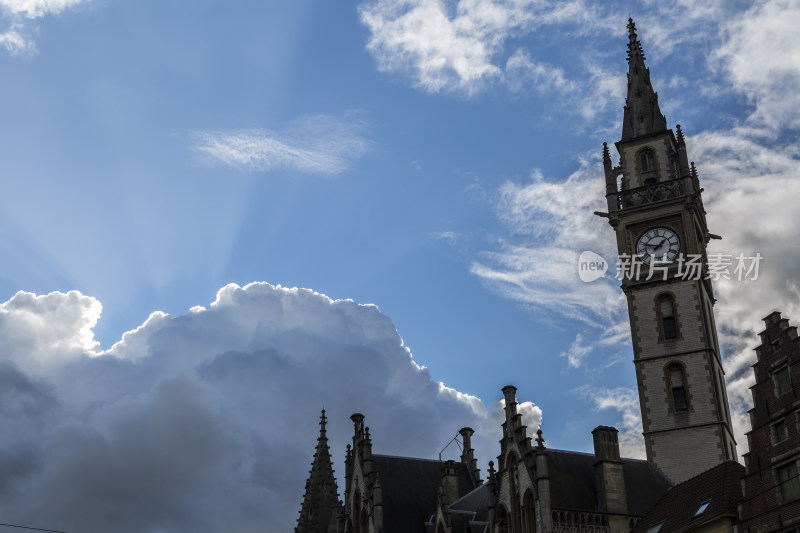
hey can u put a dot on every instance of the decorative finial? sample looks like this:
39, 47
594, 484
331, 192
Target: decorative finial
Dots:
539, 439
634, 46
606, 153
680, 134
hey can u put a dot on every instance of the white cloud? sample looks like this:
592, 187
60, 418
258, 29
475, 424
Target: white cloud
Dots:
37, 8
319, 144
552, 223
442, 46
49, 329
20, 13
523, 72
460, 46
761, 57
210, 414
626, 402
577, 352
15, 43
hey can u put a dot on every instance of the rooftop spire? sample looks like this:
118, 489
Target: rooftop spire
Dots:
321, 499
642, 115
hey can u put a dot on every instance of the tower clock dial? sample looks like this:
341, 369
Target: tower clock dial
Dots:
659, 243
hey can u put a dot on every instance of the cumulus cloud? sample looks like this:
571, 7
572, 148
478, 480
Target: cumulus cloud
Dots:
206, 421
319, 144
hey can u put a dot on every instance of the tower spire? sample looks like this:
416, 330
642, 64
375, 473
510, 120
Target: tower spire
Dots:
642, 115
321, 498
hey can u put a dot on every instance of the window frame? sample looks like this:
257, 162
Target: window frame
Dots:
662, 320
782, 487
776, 376
782, 433
672, 387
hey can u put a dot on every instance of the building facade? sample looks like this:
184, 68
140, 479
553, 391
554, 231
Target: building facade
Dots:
690, 481
771, 486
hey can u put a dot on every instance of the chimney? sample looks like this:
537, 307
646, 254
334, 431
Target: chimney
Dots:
358, 427
606, 444
510, 395
468, 455
610, 478
449, 487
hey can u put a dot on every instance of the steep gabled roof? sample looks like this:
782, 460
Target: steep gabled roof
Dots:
476, 501
719, 487
411, 489
573, 485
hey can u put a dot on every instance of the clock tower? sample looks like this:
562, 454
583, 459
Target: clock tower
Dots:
656, 210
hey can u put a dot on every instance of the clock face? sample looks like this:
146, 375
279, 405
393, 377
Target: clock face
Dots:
659, 243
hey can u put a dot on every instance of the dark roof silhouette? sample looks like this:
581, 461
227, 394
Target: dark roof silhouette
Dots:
476, 502
573, 485
719, 486
411, 489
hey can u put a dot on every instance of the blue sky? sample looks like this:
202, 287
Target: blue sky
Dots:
440, 160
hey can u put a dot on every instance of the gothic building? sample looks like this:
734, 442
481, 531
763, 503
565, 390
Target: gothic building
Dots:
690, 481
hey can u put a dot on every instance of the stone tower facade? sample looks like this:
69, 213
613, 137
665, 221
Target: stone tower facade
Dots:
320, 501
656, 210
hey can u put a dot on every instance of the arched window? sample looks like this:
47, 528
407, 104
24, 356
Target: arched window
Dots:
666, 315
647, 160
676, 378
529, 513
502, 520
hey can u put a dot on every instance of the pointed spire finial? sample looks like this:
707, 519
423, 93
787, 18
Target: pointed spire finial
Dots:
634, 46
680, 134
642, 116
